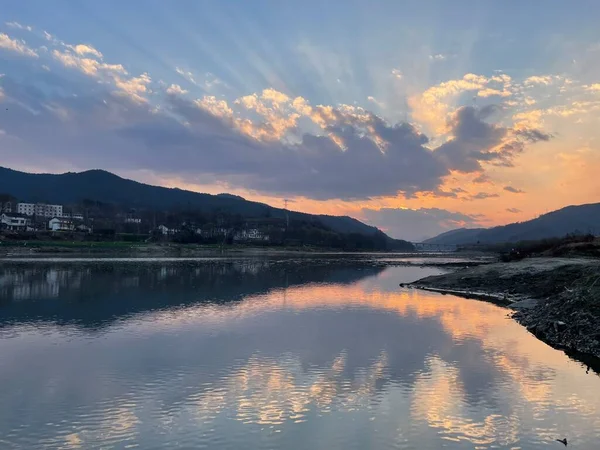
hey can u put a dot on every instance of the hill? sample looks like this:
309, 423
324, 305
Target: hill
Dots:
99, 185
455, 237
577, 219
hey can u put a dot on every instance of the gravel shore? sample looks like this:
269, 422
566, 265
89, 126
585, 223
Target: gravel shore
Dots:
557, 299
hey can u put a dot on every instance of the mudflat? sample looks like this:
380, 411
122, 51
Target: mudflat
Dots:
557, 299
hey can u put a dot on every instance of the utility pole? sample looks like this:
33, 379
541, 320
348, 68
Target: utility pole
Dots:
287, 215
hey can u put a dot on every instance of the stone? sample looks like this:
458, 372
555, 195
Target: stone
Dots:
559, 325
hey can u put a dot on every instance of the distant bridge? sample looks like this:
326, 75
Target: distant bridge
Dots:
425, 247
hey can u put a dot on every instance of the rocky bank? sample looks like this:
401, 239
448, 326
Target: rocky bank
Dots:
557, 299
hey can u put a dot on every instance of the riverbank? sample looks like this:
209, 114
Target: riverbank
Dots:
557, 299
142, 249
119, 249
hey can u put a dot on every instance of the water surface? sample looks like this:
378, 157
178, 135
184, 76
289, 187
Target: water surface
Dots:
272, 353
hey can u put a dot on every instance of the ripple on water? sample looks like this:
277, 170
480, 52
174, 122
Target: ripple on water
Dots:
348, 364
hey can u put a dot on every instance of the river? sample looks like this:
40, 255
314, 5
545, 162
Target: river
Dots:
273, 353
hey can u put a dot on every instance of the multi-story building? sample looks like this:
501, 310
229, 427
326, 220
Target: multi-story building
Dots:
40, 209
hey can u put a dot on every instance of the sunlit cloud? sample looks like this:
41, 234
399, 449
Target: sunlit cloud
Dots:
433, 106
536, 79
16, 46
82, 49
88, 66
176, 89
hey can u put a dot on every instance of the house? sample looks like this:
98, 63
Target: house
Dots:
14, 222
6, 207
252, 234
40, 209
210, 232
60, 224
74, 216
135, 220
166, 231
83, 228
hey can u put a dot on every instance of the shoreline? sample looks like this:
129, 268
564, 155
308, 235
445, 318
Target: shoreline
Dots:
556, 299
67, 249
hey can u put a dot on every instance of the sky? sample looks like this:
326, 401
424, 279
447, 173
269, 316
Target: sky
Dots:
416, 116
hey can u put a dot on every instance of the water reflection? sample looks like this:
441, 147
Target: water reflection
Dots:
274, 355
94, 293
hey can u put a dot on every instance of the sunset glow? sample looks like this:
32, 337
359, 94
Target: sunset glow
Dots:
416, 117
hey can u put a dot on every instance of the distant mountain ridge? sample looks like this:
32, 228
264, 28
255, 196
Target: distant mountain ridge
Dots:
100, 185
571, 219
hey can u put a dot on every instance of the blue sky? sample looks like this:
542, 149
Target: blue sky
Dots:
494, 95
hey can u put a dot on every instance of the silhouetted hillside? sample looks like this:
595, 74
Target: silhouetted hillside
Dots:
577, 219
455, 237
99, 185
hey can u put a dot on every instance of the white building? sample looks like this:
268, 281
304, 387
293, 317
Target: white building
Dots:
166, 231
211, 232
252, 234
83, 228
6, 207
133, 220
60, 224
14, 223
40, 209
74, 216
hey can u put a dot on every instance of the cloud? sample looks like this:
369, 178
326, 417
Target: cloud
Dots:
208, 83
357, 154
186, 74
513, 190
266, 141
513, 210
218, 108
417, 225
376, 102
83, 49
474, 141
195, 143
537, 79
87, 66
176, 89
397, 73
593, 87
440, 57
135, 87
483, 178
533, 135
18, 26
433, 105
483, 196
17, 46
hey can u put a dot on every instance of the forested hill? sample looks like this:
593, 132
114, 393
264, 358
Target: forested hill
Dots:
576, 219
103, 186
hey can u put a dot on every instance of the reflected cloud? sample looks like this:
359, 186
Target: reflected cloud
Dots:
281, 350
